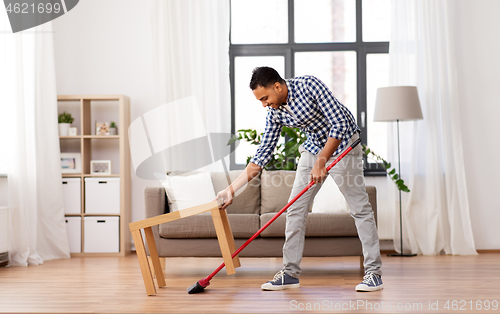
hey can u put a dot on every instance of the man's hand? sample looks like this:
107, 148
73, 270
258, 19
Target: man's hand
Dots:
226, 196
319, 173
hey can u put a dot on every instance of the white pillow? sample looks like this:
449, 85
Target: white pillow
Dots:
184, 191
329, 199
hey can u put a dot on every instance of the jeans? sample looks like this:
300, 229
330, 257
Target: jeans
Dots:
348, 175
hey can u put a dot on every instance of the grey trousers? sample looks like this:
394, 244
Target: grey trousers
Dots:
348, 175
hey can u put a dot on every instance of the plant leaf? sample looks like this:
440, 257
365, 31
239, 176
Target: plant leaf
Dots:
232, 140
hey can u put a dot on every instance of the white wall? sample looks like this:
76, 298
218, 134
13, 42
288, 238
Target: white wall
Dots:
478, 51
105, 47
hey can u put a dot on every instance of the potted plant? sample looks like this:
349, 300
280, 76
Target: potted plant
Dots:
65, 119
112, 128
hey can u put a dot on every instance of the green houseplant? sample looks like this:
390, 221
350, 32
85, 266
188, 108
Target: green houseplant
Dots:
286, 155
112, 128
391, 172
65, 119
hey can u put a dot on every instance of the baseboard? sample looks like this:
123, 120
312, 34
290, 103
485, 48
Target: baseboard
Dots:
385, 252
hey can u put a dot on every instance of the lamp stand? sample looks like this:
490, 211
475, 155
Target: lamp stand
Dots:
400, 207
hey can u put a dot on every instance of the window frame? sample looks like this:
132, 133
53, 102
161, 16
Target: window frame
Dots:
288, 50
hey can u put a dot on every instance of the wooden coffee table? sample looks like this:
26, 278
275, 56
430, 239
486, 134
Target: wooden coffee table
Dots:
222, 228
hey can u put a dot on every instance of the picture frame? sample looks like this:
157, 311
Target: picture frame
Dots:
71, 162
102, 128
100, 167
72, 131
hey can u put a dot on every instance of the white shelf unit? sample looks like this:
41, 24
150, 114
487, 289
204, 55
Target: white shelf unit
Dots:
4, 235
87, 110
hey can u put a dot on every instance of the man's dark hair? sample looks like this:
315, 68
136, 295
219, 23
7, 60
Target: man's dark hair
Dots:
264, 76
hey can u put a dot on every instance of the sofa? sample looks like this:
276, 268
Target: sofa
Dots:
327, 233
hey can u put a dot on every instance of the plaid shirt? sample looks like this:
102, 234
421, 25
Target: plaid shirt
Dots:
311, 107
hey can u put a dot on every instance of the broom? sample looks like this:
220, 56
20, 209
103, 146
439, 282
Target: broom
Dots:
203, 283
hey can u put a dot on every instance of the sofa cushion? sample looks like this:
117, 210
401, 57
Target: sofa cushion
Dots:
318, 225
247, 200
329, 199
202, 226
275, 188
186, 191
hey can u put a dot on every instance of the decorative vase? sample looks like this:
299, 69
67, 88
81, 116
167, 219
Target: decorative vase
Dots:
112, 131
63, 129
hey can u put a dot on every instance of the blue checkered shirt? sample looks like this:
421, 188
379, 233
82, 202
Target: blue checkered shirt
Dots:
312, 108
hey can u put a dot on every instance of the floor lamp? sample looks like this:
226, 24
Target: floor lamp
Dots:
398, 103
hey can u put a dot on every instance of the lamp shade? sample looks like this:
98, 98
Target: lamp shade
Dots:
397, 103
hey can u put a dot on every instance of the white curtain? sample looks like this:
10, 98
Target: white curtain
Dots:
191, 58
30, 137
436, 216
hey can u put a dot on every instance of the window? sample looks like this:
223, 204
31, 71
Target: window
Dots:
343, 42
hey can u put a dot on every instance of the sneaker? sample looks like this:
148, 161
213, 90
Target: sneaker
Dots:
281, 281
371, 282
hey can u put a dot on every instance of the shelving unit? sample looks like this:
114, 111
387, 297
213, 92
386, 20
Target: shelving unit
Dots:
4, 236
87, 109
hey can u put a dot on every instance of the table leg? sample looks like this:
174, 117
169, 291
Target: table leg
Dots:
143, 262
223, 240
230, 238
155, 259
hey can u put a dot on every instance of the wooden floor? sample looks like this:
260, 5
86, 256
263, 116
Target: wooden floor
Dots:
114, 285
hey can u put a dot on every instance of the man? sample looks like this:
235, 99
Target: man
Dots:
307, 103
